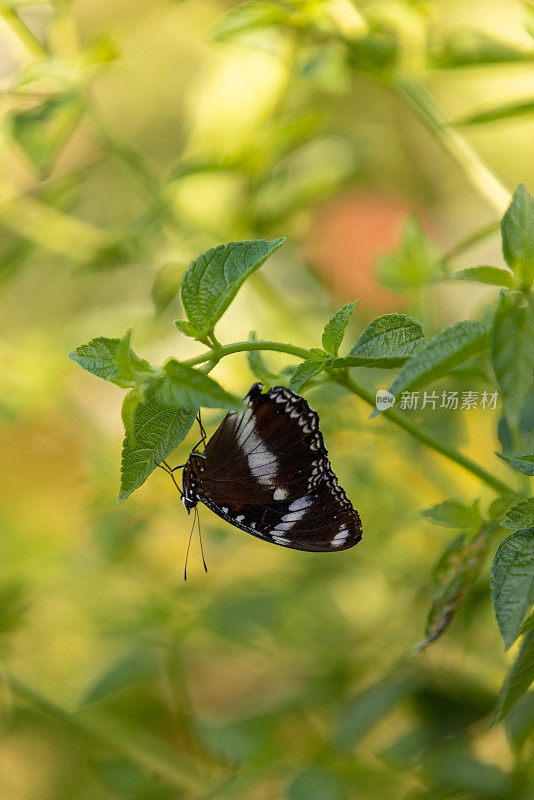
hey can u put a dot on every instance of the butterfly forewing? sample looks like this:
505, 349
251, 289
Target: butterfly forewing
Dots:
266, 471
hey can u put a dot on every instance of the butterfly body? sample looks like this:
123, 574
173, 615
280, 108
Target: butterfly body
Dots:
266, 471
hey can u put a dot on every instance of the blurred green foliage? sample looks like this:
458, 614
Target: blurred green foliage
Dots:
134, 137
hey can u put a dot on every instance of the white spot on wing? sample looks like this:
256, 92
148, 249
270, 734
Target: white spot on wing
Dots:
279, 494
341, 537
302, 502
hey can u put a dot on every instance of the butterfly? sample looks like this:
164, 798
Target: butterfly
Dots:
266, 471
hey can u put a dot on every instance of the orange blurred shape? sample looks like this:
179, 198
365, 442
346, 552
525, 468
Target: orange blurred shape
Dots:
347, 239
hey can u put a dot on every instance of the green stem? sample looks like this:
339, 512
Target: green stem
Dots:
454, 143
243, 347
415, 430
21, 31
366, 394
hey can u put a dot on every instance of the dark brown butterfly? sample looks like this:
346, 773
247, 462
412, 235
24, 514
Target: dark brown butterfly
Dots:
266, 471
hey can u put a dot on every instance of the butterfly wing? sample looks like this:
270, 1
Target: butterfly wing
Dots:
266, 471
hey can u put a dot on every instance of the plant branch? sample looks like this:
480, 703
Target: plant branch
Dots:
393, 415
243, 347
425, 437
21, 31
454, 143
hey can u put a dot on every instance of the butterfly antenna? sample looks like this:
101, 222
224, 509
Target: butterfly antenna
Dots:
200, 540
201, 426
189, 544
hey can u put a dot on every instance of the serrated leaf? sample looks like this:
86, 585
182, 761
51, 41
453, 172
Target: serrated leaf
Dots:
415, 262
493, 276
156, 431
306, 370
136, 371
42, 131
128, 409
517, 228
212, 280
389, 340
186, 327
512, 354
107, 358
453, 514
512, 583
518, 679
450, 347
520, 516
453, 576
334, 329
524, 464
188, 387
257, 365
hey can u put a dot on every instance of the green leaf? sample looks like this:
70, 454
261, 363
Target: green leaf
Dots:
166, 284
453, 576
156, 430
454, 515
128, 409
250, 16
450, 347
518, 679
212, 280
129, 669
128, 781
512, 353
335, 329
363, 712
389, 340
490, 275
306, 370
512, 583
315, 783
186, 327
524, 464
415, 263
520, 722
517, 228
257, 365
508, 111
467, 47
131, 368
520, 516
42, 131
113, 360
14, 604
188, 387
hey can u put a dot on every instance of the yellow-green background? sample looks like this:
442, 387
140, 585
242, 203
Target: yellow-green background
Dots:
245, 683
